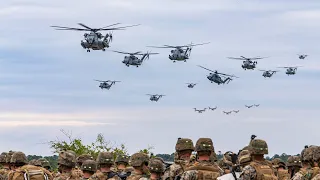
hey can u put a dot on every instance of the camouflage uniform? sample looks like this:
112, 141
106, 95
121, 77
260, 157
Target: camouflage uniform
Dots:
138, 160
280, 169
156, 166
105, 159
316, 159
88, 166
294, 165
202, 169
179, 165
244, 158
4, 170
123, 173
35, 162
257, 170
80, 159
67, 159
306, 171
45, 163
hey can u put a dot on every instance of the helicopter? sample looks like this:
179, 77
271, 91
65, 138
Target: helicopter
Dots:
249, 106
200, 111
95, 40
215, 77
256, 105
155, 97
133, 60
268, 73
236, 111
247, 62
227, 113
191, 85
213, 108
105, 84
291, 70
180, 53
302, 56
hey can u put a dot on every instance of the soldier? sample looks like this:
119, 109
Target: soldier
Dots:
305, 171
280, 169
203, 168
184, 148
8, 158
66, 162
122, 162
5, 166
244, 158
45, 163
294, 165
105, 161
80, 159
226, 163
156, 167
139, 161
258, 168
35, 162
316, 159
88, 167
18, 159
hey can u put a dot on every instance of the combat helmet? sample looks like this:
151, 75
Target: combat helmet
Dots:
258, 146
244, 157
105, 158
156, 165
122, 159
89, 165
45, 163
294, 161
3, 157
8, 156
316, 154
308, 154
184, 144
67, 158
80, 159
19, 158
138, 159
277, 162
35, 162
204, 144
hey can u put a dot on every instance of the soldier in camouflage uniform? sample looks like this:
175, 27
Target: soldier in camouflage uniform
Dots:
18, 159
226, 163
66, 162
294, 164
316, 159
258, 168
122, 162
5, 167
244, 158
45, 163
139, 161
8, 158
203, 168
156, 167
80, 159
280, 169
105, 161
88, 167
35, 162
184, 148
305, 171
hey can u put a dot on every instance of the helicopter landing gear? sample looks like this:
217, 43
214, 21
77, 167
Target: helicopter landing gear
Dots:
88, 50
127, 65
185, 60
137, 66
174, 61
103, 49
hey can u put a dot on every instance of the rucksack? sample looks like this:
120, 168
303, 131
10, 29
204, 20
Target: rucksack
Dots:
30, 172
264, 171
206, 171
283, 174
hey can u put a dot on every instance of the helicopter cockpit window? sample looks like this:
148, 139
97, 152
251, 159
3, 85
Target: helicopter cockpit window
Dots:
180, 50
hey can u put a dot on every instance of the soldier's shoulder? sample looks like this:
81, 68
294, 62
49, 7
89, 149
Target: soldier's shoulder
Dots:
189, 174
317, 177
297, 176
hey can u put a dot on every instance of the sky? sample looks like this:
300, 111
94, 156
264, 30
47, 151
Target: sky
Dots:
47, 78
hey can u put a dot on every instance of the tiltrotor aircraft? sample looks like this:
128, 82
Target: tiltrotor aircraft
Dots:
180, 53
227, 113
213, 108
133, 60
200, 110
256, 105
216, 77
236, 111
95, 40
247, 62
249, 106
191, 85
155, 97
105, 84
291, 70
302, 56
268, 73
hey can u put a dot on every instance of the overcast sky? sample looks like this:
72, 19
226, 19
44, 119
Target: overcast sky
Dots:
46, 77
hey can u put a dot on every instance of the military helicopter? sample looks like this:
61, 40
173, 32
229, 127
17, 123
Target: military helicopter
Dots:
105, 84
191, 85
180, 53
236, 111
249, 106
227, 113
291, 70
213, 108
95, 40
247, 62
133, 60
256, 105
215, 77
268, 73
155, 97
302, 56
200, 111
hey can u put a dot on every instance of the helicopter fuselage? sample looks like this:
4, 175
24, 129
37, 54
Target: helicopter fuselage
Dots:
267, 74
217, 79
132, 60
105, 85
190, 86
154, 98
95, 41
179, 54
248, 65
290, 71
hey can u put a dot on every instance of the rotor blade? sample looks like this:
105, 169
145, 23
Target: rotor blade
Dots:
172, 46
236, 58
256, 58
118, 28
121, 52
152, 53
205, 68
98, 80
84, 26
198, 44
159, 47
110, 25
136, 53
261, 70
149, 94
67, 28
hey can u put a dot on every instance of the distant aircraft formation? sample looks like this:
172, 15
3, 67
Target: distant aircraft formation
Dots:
225, 112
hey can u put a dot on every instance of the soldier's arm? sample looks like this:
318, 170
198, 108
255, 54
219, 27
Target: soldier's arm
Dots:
297, 176
248, 173
189, 175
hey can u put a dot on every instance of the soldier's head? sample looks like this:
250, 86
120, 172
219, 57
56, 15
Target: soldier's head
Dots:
244, 158
80, 159
35, 162
18, 159
278, 163
122, 161
3, 159
156, 167
316, 156
204, 148
66, 161
307, 156
294, 164
184, 148
258, 148
8, 158
139, 161
88, 167
45, 163
105, 161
